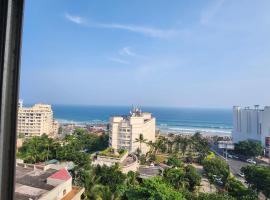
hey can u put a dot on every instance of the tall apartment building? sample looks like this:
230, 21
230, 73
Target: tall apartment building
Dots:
252, 124
36, 120
125, 129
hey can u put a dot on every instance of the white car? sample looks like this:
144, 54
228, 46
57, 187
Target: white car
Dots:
229, 156
251, 161
241, 174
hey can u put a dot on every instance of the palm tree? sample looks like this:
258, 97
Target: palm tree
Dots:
131, 179
32, 154
185, 143
151, 150
140, 140
170, 143
101, 192
177, 141
157, 146
48, 144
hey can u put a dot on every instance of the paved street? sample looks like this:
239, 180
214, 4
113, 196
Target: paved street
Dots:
236, 165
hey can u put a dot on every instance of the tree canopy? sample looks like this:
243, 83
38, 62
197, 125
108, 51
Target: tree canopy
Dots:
72, 148
248, 148
258, 177
215, 166
153, 189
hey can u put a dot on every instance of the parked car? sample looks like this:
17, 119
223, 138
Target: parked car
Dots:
251, 161
218, 180
241, 174
235, 157
229, 156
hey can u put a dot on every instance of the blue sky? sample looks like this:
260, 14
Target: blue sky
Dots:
200, 53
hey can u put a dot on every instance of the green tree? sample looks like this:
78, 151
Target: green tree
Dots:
200, 145
239, 191
193, 177
184, 144
176, 177
110, 176
153, 189
174, 161
101, 192
216, 166
140, 140
249, 148
37, 149
132, 178
259, 178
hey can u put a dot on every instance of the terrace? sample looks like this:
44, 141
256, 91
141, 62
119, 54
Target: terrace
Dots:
110, 152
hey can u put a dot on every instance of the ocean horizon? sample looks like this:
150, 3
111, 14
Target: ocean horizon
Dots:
212, 121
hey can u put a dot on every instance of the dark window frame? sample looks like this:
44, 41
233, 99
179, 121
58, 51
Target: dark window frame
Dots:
11, 17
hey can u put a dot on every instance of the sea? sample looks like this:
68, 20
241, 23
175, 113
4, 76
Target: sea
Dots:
168, 120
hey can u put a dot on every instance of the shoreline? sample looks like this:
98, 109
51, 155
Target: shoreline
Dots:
160, 128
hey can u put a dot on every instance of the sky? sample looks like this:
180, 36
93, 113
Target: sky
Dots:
177, 53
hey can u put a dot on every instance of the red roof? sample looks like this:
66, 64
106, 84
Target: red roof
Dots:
62, 174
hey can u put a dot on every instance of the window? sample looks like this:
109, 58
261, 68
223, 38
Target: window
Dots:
64, 192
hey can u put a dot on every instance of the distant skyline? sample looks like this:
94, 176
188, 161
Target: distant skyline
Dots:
203, 53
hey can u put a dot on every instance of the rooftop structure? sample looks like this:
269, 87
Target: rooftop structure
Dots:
150, 171
124, 130
109, 157
36, 120
50, 184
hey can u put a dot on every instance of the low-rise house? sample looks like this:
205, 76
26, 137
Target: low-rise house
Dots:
37, 184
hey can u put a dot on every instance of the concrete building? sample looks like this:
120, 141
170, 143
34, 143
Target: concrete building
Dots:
124, 130
252, 124
127, 162
39, 184
36, 120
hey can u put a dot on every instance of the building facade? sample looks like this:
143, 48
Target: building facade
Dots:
124, 130
251, 124
36, 121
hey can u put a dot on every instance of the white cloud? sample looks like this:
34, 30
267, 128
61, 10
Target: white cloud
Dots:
145, 30
208, 14
75, 19
127, 51
119, 60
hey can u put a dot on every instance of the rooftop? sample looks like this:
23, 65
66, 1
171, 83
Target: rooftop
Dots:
62, 174
150, 171
31, 183
110, 152
75, 191
129, 160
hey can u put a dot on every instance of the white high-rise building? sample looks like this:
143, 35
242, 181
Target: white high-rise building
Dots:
124, 130
36, 120
251, 124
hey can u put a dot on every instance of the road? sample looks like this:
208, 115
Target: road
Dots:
235, 165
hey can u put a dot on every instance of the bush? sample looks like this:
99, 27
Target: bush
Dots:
175, 162
153, 189
216, 166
